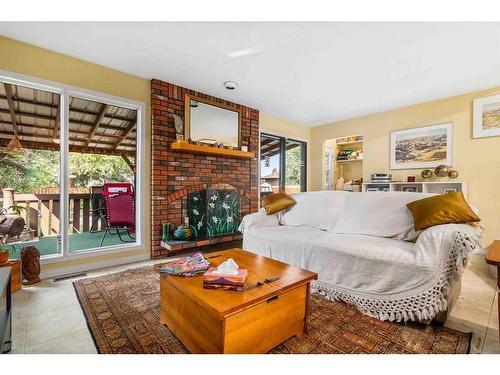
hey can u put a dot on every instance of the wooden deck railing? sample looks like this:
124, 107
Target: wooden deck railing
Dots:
42, 212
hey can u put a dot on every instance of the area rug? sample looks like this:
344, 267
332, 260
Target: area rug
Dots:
123, 315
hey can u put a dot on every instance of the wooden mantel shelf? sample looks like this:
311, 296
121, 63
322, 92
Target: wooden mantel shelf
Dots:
209, 150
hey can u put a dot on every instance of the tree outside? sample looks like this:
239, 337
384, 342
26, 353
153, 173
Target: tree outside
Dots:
293, 168
92, 169
30, 170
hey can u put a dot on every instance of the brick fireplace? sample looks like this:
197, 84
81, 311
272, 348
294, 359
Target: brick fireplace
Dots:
176, 173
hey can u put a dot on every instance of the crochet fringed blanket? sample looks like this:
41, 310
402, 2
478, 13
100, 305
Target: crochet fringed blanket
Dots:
384, 278
419, 307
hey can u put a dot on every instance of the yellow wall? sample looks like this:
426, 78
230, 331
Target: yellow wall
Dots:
38, 62
277, 126
283, 127
477, 160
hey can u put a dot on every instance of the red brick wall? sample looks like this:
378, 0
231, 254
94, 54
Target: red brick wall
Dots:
174, 171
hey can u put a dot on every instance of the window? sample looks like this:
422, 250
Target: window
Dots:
282, 164
65, 155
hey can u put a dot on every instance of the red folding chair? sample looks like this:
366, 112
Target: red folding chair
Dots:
119, 199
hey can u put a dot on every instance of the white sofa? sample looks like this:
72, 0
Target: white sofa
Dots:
365, 251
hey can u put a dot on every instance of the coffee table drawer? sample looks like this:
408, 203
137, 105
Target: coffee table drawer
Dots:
261, 327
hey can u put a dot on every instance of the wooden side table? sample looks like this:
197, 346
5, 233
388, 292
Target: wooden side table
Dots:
17, 276
493, 257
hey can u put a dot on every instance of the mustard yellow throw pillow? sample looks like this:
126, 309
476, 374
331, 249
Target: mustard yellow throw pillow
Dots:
276, 202
450, 208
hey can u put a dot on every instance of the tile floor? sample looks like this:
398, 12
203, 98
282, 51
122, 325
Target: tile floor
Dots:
47, 318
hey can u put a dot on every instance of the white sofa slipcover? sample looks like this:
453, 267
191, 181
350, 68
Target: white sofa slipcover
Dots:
354, 242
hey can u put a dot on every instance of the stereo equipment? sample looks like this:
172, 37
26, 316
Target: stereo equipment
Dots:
381, 177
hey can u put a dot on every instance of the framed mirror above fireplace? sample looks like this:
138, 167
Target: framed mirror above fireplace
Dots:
210, 121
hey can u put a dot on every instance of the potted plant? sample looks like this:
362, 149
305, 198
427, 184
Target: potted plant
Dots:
15, 264
16, 209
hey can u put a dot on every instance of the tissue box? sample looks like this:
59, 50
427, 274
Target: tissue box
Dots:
213, 280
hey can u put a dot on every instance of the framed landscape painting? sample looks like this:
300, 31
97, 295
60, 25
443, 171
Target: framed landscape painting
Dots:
486, 121
425, 147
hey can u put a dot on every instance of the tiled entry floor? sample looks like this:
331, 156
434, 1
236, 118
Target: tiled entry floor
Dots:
47, 318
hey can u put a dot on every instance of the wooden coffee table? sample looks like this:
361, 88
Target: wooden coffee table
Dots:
252, 321
493, 258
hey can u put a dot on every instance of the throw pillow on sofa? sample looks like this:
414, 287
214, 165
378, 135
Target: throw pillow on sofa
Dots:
450, 208
277, 202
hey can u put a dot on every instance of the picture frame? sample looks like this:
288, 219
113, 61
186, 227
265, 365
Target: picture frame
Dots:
486, 117
449, 190
423, 147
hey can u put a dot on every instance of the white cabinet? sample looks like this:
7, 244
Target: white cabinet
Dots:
436, 187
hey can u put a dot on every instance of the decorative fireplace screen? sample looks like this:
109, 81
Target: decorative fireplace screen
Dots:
213, 212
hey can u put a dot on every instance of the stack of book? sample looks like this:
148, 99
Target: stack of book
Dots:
185, 266
213, 279
344, 154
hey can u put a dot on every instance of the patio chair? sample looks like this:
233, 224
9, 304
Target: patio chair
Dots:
119, 199
98, 206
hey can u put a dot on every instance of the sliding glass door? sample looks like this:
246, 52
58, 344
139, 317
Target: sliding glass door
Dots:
102, 153
271, 165
295, 166
282, 164
30, 169
70, 176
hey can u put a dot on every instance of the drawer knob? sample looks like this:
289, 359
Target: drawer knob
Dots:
272, 299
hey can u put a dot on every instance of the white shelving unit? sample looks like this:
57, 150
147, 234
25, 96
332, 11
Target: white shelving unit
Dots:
349, 160
350, 169
353, 143
436, 187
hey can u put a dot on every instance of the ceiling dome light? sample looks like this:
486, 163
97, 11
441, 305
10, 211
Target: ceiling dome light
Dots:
230, 85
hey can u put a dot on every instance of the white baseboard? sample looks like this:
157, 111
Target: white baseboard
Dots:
47, 274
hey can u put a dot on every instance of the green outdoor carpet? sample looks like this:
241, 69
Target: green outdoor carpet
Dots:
77, 242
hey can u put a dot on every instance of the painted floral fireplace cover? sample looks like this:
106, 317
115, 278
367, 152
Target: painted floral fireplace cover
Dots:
214, 212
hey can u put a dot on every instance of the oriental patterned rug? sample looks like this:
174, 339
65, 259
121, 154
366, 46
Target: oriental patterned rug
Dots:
123, 315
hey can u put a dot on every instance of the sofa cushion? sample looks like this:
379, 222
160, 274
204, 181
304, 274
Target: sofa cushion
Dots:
382, 214
448, 208
317, 209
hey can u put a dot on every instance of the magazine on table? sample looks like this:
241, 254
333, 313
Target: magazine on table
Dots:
186, 266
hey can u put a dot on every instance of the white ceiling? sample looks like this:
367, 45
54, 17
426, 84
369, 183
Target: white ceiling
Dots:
309, 73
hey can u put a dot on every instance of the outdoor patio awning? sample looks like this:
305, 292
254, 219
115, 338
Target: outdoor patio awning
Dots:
32, 116
270, 147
